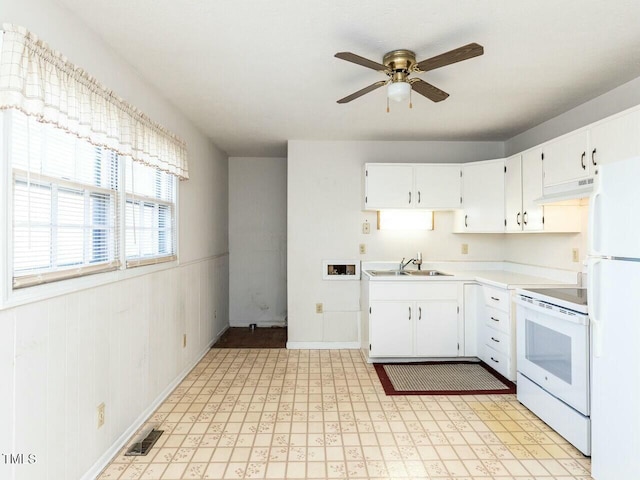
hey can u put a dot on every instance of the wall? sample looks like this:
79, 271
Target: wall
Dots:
324, 198
121, 342
257, 241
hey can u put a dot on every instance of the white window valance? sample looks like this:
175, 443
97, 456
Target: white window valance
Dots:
43, 83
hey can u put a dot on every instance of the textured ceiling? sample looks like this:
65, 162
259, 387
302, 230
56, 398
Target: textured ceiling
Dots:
253, 74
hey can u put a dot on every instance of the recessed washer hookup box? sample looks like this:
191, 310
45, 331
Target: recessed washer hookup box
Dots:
340, 270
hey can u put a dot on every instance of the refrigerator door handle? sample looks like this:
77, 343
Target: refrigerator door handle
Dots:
593, 229
593, 286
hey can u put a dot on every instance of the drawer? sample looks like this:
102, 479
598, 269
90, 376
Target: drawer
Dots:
496, 360
497, 340
498, 319
497, 298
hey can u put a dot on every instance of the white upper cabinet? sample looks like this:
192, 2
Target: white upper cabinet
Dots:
614, 139
388, 186
425, 186
523, 186
438, 186
513, 193
566, 159
532, 213
482, 198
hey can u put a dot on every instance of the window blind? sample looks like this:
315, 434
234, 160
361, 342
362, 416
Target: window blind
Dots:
65, 213
149, 215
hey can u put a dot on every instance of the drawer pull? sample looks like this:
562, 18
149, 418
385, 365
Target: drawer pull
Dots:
495, 298
497, 361
495, 319
495, 340
409, 313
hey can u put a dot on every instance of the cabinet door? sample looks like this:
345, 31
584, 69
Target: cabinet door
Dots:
483, 196
532, 213
615, 139
437, 328
388, 186
391, 329
437, 186
513, 193
566, 159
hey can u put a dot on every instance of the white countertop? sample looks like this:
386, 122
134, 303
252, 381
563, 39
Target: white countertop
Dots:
498, 274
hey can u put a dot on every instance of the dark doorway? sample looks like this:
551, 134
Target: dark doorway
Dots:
245, 337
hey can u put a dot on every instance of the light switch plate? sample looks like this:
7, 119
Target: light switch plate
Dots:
464, 249
363, 249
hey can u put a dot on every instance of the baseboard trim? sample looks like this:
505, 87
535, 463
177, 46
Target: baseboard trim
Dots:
323, 345
106, 458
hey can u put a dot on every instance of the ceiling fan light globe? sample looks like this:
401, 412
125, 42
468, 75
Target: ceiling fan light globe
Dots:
398, 91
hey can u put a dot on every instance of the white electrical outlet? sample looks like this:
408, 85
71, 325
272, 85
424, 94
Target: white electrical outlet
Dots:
366, 228
363, 249
464, 249
100, 412
319, 308
575, 255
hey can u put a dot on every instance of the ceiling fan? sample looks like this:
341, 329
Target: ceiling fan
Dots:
399, 64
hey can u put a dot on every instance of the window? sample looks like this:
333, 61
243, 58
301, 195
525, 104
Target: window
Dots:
150, 213
66, 199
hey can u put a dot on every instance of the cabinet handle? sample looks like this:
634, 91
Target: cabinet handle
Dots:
418, 196
495, 298
409, 313
495, 340
497, 361
465, 220
582, 157
593, 157
494, 319
409, 197
524, 218
518, 218
419, 313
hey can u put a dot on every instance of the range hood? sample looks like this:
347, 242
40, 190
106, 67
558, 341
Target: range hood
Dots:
573, 190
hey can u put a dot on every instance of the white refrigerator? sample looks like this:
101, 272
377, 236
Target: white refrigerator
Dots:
614, 309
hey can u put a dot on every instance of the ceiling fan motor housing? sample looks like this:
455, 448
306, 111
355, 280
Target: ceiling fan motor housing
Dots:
400, 63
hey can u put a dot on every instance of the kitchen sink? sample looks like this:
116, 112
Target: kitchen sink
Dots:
388, 273
412, 273
428, 273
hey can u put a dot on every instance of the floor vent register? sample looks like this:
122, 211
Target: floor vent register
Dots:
143, 444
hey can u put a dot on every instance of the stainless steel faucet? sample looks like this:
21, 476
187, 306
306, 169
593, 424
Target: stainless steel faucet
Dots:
416, 261
403, 264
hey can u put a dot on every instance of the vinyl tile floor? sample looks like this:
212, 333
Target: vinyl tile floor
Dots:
320, 414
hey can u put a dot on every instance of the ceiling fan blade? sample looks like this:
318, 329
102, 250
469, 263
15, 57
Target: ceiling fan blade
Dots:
426, 89
359, 93
365, 62
453, 56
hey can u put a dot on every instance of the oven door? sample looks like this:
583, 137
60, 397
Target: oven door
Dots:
553, 351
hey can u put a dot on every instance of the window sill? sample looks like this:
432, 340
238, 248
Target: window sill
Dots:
15, 298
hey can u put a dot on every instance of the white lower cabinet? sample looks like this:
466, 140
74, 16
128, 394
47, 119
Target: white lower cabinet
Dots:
496, 331
415, 319
391, 328
437, 329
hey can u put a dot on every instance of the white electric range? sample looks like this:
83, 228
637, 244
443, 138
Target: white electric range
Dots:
553, 358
